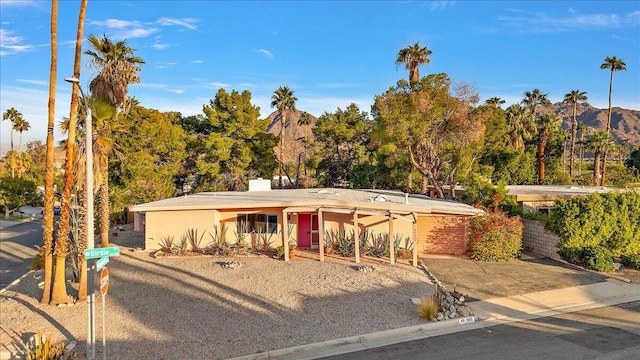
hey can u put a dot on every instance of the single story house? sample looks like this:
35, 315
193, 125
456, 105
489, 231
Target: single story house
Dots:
300, 216
541, 198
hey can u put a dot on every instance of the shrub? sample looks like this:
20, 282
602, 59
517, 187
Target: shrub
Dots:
428, 309
38, 260
609, 220
592, 257
631, 261
194, 239
495, 236
166, 244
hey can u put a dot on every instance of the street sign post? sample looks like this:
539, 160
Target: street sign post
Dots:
96, 253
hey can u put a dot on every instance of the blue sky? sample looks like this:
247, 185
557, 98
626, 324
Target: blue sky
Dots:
330, 53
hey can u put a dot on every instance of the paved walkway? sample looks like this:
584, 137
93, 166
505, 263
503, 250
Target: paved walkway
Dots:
487, 313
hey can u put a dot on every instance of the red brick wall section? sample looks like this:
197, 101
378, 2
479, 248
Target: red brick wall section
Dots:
444, 234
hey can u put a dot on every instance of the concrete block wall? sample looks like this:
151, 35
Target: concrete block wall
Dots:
537, 239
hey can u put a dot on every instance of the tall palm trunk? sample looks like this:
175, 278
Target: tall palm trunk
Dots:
104, 208
604, 151
283, 115
544, 137
82, 244
574, 133
596, 166
70, 161
47, 237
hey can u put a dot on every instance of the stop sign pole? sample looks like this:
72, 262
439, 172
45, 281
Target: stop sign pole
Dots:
104, 287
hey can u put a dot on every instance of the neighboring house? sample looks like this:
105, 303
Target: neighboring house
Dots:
432, 226
541, 198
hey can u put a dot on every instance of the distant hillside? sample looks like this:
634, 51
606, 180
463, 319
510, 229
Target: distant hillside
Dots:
625, 124
294, 134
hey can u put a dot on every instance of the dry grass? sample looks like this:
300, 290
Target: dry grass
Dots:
428, 309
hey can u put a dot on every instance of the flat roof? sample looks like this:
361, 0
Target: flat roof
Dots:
553, 192
329, 197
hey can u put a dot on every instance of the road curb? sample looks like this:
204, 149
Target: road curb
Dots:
16, 281
360, 342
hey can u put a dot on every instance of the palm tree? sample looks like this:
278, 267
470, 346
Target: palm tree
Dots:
412, 57
494, 101
598, 143
582, 128
58, 293
305, 120
12, 115
117, 68
572, 98
533, 100
614, 64
284, 100
520, 127
21, 125
546, 123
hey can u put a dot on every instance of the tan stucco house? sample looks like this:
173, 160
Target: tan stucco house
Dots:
431, 225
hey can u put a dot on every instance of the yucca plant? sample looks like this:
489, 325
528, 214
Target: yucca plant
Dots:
181, 246
380, 246
166, 244
219, 236
194, 239
44, 349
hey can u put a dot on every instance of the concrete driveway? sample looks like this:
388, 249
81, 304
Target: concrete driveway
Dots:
487, 280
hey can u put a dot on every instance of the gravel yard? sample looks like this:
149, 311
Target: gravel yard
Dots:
169, 308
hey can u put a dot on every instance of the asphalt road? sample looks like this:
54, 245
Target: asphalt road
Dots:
17, 249
605, 333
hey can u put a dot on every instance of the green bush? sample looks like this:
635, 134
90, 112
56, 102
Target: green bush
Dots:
495, 237
610, 220
592, 257
631, 261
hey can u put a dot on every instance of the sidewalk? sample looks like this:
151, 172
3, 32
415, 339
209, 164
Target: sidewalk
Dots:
487, 313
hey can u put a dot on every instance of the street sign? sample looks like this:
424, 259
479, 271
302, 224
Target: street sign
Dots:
101, 252
104, 281
101, 263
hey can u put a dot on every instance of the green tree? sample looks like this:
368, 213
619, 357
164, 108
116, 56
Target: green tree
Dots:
546, 124
435, 125
582, 128
614, 64
153, 147
21, 125
573, 98
16, 192
412, 57
226, 151
633, 162
283, 100
342, 137
494, 101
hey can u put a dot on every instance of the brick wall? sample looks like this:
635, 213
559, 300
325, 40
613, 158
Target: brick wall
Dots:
537, 239
444, 234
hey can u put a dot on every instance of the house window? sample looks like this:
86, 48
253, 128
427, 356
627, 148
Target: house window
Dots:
259, 223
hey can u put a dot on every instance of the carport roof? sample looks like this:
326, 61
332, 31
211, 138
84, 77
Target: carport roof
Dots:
328, 197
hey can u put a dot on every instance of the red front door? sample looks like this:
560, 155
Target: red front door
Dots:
304, 230
308, 231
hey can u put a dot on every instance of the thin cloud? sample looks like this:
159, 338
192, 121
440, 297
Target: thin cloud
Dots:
217, 84
176, 91
34, 82
197, 61
160, 46
18, 3
166, 65
266, 53
439, 5
126, 29
12, 44
188, 23
541, 22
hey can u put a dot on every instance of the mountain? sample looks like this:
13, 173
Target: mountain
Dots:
625, 124
294, 134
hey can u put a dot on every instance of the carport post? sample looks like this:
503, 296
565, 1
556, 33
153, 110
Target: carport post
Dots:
356, 235
415, 244
392, 250
321, 234
285, 234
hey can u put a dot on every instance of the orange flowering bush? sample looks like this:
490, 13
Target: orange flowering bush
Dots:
495, 236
